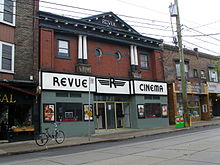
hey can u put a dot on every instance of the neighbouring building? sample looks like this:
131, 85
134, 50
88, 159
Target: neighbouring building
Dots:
103, 62
18, 68
199, 75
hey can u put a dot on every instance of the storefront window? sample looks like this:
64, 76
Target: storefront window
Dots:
152, 110
69, 112
193, 105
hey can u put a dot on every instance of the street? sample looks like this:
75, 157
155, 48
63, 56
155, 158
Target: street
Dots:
198, 146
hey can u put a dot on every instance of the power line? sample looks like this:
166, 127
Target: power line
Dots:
97, 11
202, 47
202, 33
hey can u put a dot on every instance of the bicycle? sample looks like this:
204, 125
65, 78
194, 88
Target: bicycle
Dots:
44, 137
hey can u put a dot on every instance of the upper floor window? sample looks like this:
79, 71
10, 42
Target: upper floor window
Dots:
63, 48
202, 74
118, 56
144, 61
213, 75
186, 69
98, 52
6, 57
195, 73
7, 11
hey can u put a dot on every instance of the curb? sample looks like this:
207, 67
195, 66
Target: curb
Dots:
44, 148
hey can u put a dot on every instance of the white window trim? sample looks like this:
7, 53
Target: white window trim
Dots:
2, 13
210, 75
12, 60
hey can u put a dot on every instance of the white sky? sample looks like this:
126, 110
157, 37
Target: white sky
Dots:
198, 17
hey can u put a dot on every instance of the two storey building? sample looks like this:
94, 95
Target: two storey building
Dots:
99, 72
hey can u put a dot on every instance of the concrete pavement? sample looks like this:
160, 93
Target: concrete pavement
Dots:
100, 136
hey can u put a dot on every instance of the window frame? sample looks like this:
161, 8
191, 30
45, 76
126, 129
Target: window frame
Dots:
98, 52
210, 75
12, 56
186, 69
118, 56
202, 74
145, 61
195, 73
2, 14
63, 117
67, 56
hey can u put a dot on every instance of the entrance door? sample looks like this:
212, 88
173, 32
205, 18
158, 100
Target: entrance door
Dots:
100, 115
119, 115
110, 113
127, 115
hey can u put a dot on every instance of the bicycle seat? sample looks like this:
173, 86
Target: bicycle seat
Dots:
46, 129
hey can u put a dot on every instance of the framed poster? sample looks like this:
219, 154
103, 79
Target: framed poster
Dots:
49, 112
140, 108
164, 110
88, 113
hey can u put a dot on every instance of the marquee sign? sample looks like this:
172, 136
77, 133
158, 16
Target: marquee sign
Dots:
151, 88
57, 81
113, 86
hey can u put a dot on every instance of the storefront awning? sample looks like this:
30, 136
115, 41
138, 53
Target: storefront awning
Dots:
18, 89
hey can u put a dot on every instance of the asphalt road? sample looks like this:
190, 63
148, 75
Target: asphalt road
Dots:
200, 146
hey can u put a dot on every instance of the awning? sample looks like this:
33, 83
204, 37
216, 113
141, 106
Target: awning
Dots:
18, 89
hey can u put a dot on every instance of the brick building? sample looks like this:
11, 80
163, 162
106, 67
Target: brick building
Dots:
103, 62
199, 74
18, 67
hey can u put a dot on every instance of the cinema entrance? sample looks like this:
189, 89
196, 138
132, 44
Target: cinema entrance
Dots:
111, 114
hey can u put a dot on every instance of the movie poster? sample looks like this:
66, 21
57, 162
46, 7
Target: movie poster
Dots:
49, 112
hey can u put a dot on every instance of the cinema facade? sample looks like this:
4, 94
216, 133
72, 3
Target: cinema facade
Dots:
98, 73
115, 103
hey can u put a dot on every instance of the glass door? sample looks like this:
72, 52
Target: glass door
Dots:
127, 123
100, 115
119, 115
110, 113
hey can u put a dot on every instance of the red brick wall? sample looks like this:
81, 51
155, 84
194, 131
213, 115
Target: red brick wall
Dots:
46, 48
6, 33
155, 71
197, 60
107, 64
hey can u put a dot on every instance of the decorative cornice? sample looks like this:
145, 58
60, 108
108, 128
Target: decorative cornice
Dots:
95, 30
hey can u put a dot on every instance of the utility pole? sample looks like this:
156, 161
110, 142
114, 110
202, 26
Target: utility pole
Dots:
182, 68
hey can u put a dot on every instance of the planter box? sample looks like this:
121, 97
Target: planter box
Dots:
22, 129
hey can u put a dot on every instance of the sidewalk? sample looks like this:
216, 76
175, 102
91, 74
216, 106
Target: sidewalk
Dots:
101, 136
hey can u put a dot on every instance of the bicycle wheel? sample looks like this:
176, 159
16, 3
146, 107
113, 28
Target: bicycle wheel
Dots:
59, 137
41, 139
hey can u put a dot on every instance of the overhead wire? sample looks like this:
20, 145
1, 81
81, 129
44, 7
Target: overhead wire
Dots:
202, 34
